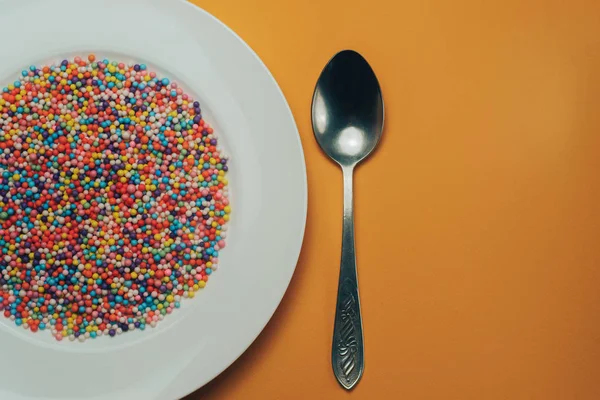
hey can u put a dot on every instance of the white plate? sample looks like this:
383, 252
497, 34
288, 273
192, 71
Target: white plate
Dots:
242, 101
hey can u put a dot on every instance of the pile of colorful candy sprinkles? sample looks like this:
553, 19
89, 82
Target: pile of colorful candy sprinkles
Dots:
113, 198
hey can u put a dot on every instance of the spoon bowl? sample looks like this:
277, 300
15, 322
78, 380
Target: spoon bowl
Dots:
347, 109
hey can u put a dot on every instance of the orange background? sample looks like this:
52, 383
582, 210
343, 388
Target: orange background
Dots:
478, 218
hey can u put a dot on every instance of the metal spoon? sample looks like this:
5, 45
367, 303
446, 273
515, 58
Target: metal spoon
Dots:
347, 118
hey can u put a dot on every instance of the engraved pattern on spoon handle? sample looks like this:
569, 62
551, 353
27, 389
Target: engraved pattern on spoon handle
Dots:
348, 350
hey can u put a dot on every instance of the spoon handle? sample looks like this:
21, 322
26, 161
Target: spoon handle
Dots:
348, 351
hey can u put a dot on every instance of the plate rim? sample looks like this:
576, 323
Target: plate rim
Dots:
297, 253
